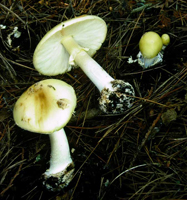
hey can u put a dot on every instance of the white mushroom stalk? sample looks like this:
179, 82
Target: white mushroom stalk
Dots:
116, 95
46, 107
91, 68
61, 168
60, 152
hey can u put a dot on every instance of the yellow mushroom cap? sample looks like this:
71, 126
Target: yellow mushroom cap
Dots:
45, 107
165, 39
150, 44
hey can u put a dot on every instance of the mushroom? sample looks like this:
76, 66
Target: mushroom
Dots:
73, 43
150, 46
46, 107
165, 39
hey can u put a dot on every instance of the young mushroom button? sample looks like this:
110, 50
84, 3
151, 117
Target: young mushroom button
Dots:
150, 46
73, 43
46, 107
165, 39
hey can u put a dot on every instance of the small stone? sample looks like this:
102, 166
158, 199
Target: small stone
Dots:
169, 116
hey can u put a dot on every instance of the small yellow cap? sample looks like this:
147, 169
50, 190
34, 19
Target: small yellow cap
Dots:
150, 44
165, 39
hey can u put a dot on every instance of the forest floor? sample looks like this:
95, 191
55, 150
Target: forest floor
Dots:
139, 154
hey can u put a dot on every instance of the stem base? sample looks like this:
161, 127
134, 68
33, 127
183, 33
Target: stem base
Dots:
56, 182
117, 100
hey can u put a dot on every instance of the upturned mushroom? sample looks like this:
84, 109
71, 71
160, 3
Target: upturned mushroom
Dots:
46, 107
150, 46
73, 43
